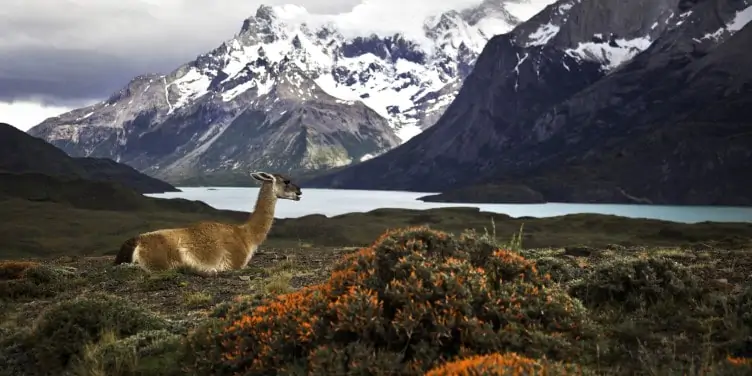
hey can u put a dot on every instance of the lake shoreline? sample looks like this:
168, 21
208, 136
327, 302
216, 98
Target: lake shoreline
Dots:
71, 229
331, 202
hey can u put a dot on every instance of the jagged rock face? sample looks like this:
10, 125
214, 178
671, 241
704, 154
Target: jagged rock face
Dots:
602, 101
326, 99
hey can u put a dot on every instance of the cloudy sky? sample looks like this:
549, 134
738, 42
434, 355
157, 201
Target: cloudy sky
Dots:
56, 55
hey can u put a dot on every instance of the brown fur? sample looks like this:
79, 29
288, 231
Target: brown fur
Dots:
211, 247
126, 251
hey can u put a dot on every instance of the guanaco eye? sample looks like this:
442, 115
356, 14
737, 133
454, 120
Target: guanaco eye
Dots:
287, 182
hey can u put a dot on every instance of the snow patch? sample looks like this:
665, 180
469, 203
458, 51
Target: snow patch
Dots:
524, 10
610, 57
489, 27
408, 131
191, 86
543, 35
517, 70
742, 18
166, 94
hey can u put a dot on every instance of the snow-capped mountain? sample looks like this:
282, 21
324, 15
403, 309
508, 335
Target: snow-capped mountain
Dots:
289, 85
592, 101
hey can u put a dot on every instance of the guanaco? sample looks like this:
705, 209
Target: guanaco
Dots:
208, 248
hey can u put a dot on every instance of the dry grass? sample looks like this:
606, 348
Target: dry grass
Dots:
92, 363
197, 299
10, 269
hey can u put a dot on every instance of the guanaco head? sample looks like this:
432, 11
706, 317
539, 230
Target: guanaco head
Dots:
283, 187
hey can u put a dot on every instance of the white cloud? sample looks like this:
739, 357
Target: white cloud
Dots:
385, 17
24, 115
181, 27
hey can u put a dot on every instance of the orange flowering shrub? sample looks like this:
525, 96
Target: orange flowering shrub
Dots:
509, 364
731, 366
739, 362
15, 269
414, 298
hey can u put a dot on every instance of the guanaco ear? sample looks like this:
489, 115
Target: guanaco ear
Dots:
262, 176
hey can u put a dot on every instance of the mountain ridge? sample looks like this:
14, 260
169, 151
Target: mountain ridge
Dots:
521, 130
21, 153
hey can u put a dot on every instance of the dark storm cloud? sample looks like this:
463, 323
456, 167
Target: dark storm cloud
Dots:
60, 51
57, 75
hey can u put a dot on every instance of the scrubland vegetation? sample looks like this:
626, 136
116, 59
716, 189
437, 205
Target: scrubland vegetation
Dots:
417, 301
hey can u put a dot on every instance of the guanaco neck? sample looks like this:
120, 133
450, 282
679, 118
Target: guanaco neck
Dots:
260, 221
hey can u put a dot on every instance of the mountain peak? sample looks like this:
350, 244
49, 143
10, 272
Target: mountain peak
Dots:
282, 12
367, 89
267, 17
265, 12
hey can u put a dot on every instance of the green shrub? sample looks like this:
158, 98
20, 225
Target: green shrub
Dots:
150, 352
5, 332
743, 306
13, 356
660, 318
234, 310
37, 281
741, 345
163, 280
633, 284
61, 332
414, 298
561, 270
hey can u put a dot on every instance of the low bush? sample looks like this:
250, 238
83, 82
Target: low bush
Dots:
415, 298
634, 284
164, 280
61, 332
741, 307
151, 352
561, 270
32, 280
658, 317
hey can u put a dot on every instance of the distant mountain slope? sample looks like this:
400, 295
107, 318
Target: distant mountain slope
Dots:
289, 92
593, 101
21, 153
